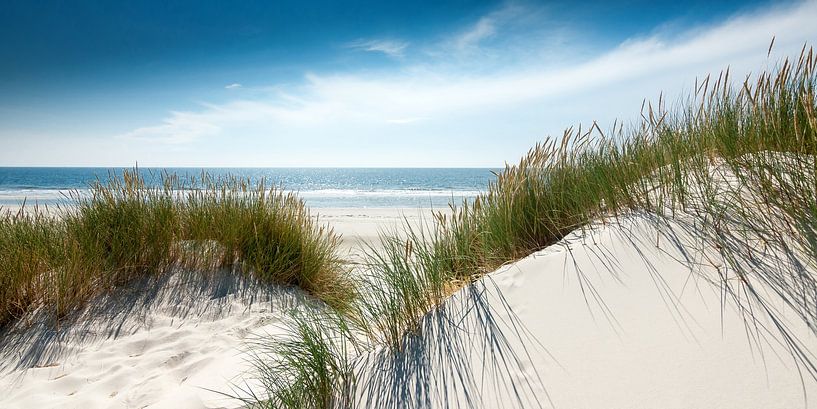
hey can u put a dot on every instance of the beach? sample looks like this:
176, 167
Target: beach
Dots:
408, 205
670, 264
187, 344
587, 323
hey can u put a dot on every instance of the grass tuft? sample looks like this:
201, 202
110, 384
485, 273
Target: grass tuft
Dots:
128, 228
310, 367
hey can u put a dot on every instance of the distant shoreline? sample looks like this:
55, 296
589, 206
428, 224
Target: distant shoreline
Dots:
319, 187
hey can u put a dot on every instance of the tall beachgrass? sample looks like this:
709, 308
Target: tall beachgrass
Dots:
402, 280
310, 367
734, 164
30, 253
127, 229
763, 131
268, 232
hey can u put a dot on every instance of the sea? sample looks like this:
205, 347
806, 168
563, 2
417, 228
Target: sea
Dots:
319, 187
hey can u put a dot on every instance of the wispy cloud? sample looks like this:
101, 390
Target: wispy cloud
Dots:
498, 24
484, 28
440, 100
234, 85
178, 128
393, 48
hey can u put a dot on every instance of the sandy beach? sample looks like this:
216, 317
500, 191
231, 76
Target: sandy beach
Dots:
408, 205
587, 323
603, 320
184, 345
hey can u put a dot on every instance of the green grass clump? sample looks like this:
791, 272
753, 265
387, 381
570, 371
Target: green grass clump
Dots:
403, 280
29, 246
268, 232
309, 368
128, 229
658, 166
124, 230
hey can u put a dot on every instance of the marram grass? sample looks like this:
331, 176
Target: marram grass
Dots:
309, 367
656, 166
761, 133
30, 253
127, 229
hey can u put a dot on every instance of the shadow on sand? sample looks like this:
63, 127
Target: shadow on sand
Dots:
463, 347
474, 343
40, 340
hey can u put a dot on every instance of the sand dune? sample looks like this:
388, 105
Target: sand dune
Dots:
174, 350
604, 320
170, 349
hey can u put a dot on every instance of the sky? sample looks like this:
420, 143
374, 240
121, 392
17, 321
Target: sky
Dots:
355, 84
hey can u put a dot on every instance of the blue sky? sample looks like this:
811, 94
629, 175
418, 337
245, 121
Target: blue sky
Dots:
203, 83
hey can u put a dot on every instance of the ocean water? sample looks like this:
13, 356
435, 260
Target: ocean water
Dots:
319, 187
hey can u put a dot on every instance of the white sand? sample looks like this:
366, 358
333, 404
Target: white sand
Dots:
613, 334
651, 344
189, 339
165, 355
361, 227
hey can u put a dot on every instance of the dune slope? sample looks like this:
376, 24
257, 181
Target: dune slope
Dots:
624, 315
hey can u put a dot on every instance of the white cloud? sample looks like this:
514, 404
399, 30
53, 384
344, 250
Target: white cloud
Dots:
234, 85
179, 128
483, 29
445, 100
496, 24
393, 48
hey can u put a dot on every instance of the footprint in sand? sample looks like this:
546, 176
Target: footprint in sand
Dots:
176, 360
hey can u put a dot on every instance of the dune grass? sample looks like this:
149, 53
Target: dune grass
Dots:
310, 367
268, 232
659, 166
30, 251
736, 158
402, 280
128, 229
